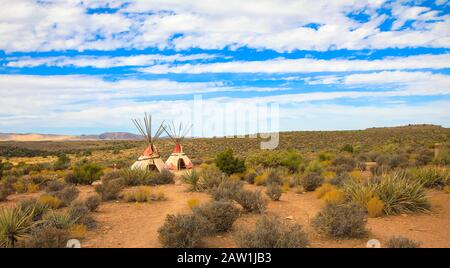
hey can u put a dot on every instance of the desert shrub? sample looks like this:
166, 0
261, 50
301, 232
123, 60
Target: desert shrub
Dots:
193, 202
274, 191
143, 194
79, 213
132, 177
335, 196
183, 231
344, 164
431, 176
50, 201
67, 194
7, 187
323, 189
220, 214
229, 164
251, 201
38, 209
87, 173
14, 225
273, 177
46, 236
163, 177
109, 189
115, 174
54, 186
63, 162
314, 167
341, 221
402, 242
60, 220
311, 181
399, 160
261, 178
250, 176
227, 190
292, 160
192, 178
211, 176
347, 148
401, 195
271, 232
375, 207
92, 202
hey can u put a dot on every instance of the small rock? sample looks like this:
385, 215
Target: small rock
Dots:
289, 217
404, 215
96, 183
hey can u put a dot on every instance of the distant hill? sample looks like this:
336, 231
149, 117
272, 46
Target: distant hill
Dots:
54, 137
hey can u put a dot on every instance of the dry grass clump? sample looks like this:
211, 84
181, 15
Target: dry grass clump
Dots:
341, 221
220, 214
272, 232
50, 201
402, 242
143, 194
274, 191
78, 231
375, 207
60, 220
183, 231
447, 189
92, 202
193, 202
335, 196
109, 189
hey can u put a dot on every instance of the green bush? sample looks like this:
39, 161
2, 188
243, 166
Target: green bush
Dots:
87, 173
229, 164
251, 201
183, 231
63, 162
311, 181
347, 148
211, 177
271, 232
274, 191
220, 214
341, 221
402, 242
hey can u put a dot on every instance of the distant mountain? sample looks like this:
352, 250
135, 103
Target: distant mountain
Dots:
54, 137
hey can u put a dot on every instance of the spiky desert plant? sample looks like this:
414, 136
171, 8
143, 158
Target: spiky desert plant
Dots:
14, 225
192, 178
431, 176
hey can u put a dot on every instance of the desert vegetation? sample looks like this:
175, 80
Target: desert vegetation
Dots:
348, 182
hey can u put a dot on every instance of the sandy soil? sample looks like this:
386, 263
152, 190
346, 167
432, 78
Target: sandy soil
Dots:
135, 224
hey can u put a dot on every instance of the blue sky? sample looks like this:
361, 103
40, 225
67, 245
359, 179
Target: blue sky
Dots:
81, 67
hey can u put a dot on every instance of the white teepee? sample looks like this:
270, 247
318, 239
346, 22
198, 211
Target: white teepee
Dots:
178, 160
150, 159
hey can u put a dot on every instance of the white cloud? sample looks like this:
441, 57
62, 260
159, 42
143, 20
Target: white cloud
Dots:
27, 25
104, 61
307, 65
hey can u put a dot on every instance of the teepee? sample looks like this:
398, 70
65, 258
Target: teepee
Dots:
150, 159
178, 160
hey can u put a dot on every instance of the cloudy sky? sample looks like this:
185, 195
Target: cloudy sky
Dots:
74, 67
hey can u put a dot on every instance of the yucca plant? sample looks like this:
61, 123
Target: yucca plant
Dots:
192, 178
401, 195
431, 176
358, 192
15, 224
